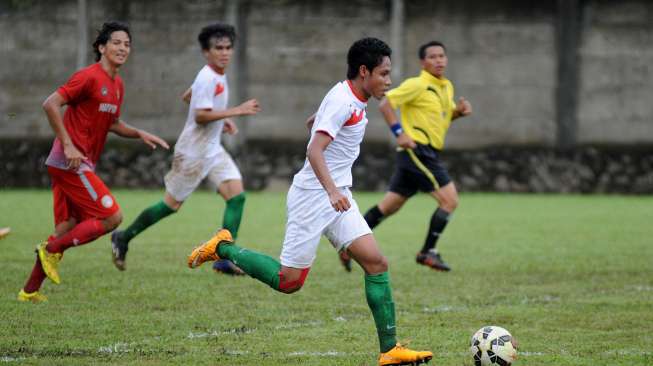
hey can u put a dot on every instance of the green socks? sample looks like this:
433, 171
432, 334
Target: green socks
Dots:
260, 266
233, 212
147, 218
379, 299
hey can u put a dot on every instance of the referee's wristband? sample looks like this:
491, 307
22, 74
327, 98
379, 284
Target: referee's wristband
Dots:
396, 129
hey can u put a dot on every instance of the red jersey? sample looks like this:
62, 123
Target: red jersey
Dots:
94, 101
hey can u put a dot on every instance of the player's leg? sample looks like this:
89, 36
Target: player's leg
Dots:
120, 238
226, 176
258, 265
378, 292
303, 231
447, 197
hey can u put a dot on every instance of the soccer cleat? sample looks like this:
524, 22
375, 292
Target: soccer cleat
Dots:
432, 259
4, 231
345, 259
34, 297
400, 355
118, 250
209, 250
227, 267
49, 262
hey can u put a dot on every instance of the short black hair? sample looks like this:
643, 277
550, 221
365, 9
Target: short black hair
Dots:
367, 51
217, 30
422, 49
104, 34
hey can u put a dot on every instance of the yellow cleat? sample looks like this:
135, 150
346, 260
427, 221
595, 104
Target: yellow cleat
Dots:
401, 355
34, 297
49, 262
4, 231
209, 250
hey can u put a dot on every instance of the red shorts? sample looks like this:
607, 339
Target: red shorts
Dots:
80, 195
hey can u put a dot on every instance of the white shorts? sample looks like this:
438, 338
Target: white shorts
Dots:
310, 215
187, 173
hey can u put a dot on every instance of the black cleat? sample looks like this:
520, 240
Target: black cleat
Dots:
118, 250
432, 259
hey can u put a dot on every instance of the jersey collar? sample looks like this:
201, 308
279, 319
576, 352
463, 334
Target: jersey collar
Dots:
425, 75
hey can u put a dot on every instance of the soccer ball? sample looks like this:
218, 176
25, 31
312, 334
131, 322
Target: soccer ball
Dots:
493, 345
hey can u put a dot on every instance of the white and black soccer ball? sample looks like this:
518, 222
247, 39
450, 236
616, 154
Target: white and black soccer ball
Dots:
493, 345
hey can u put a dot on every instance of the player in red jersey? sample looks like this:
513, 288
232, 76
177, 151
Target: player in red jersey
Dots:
84, 208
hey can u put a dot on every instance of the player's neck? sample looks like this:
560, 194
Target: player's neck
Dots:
219, 70
110, 68
356, 86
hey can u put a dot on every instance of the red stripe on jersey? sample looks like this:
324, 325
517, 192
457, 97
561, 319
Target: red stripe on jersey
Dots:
355, 118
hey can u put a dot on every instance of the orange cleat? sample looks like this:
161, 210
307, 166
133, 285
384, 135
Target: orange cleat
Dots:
209, 250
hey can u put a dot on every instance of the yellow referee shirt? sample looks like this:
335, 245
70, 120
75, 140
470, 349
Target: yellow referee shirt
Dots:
426, 105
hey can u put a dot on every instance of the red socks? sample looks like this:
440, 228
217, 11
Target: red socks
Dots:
82, 233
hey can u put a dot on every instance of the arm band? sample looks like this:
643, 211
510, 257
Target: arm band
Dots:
396, 129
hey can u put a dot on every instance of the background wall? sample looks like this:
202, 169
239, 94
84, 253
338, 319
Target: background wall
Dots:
540, 74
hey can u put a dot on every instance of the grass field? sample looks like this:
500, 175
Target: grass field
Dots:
570, 276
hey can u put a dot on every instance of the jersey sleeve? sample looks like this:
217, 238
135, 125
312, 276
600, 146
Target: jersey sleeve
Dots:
452, 102
76, 88
332, 117
203, 91
404, 93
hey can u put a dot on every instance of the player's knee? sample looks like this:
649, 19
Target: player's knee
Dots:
112, 222
292, 285
378, 264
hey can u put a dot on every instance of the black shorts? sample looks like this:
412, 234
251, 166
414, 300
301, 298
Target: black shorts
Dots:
418, 169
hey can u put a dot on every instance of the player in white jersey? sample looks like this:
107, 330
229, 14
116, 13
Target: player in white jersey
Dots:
198, 152
320, 202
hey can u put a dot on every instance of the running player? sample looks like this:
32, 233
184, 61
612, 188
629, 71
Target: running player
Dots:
84, 208
427, 109
320, 203
198, 152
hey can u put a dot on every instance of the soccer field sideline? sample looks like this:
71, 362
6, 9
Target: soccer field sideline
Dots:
578, 295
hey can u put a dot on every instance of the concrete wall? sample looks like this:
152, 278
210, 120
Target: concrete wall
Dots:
502, 58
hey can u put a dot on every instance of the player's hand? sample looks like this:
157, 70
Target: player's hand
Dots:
405, 141
339, 201
73, 156
249, 107
152, 140
229, 127
463, 107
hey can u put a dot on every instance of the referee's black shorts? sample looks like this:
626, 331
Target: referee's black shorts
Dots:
418, 169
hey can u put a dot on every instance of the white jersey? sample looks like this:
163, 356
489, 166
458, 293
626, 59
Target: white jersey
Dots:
209, 91
342, 115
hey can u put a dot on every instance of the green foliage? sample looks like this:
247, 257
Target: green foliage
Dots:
570, 276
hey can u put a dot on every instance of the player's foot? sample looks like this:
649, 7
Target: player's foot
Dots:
118, 250
400, 355
432, 259
345, 259
34, 297
4, 231
209, 250
227, 267
49, 262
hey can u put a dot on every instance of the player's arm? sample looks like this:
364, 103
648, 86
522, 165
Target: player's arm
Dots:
310, 121
463, 108
52, 107
315, 155
122, 129
204, 116
391, 119
187, 94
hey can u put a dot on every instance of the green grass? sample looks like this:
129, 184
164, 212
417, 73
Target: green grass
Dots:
570, 276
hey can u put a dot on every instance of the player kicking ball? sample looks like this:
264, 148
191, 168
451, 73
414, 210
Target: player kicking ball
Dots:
84, 208
199, 154
320, 203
